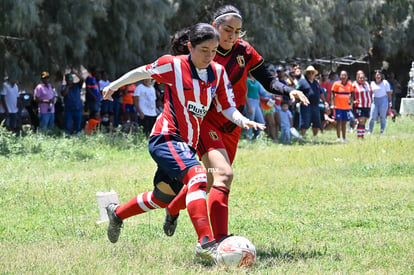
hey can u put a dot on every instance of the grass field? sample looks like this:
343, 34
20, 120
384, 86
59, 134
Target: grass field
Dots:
314, 208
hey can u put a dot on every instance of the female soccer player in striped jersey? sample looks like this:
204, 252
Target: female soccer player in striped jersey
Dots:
193, 82
362, 103
219, 136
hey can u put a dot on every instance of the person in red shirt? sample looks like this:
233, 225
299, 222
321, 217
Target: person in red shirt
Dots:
219, 136
324, 82
193, 83
342, 96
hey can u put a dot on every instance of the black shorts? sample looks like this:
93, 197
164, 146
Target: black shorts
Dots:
362, 112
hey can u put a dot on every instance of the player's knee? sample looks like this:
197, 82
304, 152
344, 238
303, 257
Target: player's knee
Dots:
224, 176
161, 196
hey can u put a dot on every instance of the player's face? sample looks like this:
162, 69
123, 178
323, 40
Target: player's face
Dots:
203, 53
229, 31
343, 76
361, 78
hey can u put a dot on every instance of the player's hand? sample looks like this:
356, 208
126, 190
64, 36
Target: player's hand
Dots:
296, 94
107, 93
253, 124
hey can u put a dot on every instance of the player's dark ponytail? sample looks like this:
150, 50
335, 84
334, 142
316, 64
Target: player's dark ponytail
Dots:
179, 42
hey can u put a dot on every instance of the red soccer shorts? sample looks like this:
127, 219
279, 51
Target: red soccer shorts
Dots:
211, 138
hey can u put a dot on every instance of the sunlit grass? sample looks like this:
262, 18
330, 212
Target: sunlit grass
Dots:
310, 208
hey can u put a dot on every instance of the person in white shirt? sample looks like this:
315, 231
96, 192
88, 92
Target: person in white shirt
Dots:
9, 104
145, 102
382, 101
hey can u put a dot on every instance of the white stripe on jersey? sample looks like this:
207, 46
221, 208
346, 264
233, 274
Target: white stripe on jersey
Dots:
229, 91
197, 99
199, 194
180, 93
160, 69
164, 129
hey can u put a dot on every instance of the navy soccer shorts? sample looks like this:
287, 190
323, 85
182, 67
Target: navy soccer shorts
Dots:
174, 157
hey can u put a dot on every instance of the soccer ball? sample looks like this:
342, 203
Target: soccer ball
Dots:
236, 251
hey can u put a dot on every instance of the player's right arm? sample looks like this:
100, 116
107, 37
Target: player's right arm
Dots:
155, 70
133, 76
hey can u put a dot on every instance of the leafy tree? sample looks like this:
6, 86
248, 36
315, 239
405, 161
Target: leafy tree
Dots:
130, 34
119, 35
19, 18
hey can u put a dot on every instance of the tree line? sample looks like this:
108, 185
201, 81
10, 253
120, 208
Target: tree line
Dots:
116, 36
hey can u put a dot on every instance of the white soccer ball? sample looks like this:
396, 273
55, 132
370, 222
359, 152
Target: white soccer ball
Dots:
236, 251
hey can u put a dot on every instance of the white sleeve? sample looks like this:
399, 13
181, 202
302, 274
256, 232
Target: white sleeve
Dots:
235, 116
133, 76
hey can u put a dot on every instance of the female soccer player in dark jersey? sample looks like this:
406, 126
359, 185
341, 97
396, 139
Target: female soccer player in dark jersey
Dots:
193, 83
219, 136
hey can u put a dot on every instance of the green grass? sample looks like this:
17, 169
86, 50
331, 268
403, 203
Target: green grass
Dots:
314, 208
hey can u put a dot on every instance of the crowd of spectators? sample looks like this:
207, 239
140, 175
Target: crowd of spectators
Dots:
72, 103
336, 101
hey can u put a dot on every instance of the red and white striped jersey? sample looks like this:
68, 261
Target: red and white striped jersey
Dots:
187, 98
363, 95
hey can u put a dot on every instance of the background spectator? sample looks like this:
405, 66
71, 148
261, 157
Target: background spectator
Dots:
324, 82
396, 92
145, 98
107, 106
342, 94
9, 95
310, 115
73, 105
128, 108
286, 122
56, 82
267, 103
362, 103
382, 101
93, 97
252, 107
44, 95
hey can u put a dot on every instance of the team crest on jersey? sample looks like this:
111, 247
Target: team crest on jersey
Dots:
240, 60
196, 109
213, 135
230, 88
213, 91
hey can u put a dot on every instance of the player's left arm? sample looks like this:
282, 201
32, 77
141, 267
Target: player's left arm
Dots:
273, 85
239, 119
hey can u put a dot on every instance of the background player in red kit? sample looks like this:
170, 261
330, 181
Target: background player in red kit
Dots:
193, 82
219, 136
